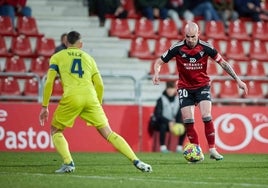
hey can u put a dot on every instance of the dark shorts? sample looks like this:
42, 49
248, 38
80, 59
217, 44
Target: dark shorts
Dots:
190, 97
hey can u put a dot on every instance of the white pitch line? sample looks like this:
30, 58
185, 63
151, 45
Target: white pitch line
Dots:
142, 179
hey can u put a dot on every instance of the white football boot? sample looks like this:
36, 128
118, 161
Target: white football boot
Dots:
66, 168
214, 154
142, 166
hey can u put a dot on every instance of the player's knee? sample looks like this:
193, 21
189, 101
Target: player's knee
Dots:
55, 130
188, 121
207, 118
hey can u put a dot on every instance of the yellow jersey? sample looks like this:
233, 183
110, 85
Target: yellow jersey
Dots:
78, 72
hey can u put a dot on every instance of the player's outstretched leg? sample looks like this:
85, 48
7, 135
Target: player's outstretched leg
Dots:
122, 146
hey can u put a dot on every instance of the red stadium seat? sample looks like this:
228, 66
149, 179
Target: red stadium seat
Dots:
120, 28
229, 89
6, 26
21, 46
15, 64
161, 45
28, 26
212, 68
1, 83
167, 28
235, 50
40, 65
145, 28
31, 87
264, 5
215, 88
237, 30
216, 44
57, 88
164, 72
3, 48
258, 50
254, 89
10, 86
45, 46
215, 30
236, 66
139, 48
255, 68
260, 30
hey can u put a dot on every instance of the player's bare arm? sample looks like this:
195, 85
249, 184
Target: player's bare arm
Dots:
227, 67
157, 68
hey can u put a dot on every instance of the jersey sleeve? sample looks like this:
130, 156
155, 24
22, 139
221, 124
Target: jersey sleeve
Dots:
48, 87
170, 53
95, 69
51, 75
98, 84
211, 51
97, 81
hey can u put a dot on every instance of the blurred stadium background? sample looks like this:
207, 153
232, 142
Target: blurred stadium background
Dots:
124, 58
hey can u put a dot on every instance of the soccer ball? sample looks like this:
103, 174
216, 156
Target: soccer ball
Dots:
178, 129
193, 153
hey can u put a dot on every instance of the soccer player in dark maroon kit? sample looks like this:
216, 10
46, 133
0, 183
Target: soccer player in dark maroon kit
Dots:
191, 56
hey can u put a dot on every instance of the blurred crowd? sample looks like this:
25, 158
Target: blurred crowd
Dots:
14, 8
181, 10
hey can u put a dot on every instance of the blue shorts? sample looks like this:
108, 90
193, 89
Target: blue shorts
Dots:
189, 97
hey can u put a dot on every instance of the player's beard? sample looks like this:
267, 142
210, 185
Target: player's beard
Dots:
191, 44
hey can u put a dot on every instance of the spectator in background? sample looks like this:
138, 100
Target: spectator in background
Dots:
63, 44
251, 9
104, 7
167, 114
202, 8
152, 9
14, 8
226, 10
176, 11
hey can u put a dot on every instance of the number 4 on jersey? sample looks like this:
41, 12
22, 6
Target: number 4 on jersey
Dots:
77, 68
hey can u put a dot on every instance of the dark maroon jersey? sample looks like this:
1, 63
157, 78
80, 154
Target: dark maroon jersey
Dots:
191, 63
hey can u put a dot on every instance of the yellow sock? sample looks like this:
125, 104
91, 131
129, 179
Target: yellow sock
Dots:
62, 147
122, 146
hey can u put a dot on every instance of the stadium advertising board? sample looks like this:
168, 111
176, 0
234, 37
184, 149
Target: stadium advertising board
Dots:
238, 130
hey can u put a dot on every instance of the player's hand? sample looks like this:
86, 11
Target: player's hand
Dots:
156, 79
43, 116
243, 85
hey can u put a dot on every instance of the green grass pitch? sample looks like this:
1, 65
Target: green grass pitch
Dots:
105, 170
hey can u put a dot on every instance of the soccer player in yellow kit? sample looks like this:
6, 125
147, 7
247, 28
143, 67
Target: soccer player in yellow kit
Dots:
83, 93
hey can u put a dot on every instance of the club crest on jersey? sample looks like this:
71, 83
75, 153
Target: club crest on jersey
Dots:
192, 60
